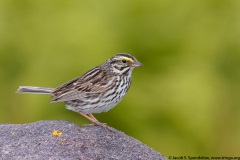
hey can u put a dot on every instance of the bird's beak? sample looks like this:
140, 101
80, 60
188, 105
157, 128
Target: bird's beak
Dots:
137, 64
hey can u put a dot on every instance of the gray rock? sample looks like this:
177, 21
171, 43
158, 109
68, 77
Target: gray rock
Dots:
36, 141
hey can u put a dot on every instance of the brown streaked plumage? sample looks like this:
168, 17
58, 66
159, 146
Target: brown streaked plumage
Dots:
96, 91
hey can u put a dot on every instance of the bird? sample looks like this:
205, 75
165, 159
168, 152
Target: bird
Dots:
98, 90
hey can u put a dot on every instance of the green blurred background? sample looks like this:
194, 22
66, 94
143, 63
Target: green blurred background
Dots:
184, 101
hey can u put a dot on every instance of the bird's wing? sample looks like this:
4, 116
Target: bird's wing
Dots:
91, 84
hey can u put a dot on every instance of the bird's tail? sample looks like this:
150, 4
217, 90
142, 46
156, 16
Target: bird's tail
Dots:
34, 90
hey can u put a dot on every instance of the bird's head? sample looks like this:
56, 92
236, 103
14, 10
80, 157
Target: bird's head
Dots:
123, 63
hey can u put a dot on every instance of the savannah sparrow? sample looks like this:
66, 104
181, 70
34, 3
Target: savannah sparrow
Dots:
96, 91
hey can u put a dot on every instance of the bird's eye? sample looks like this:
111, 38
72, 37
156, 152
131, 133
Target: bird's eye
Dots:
124, 61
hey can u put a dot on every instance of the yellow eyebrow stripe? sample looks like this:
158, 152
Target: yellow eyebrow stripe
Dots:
126, 58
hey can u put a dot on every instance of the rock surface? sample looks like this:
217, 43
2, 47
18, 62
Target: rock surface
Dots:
72, 142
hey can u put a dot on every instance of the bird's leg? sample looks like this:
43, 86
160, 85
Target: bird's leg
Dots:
91, 118
97, 122
90, 115
86, 116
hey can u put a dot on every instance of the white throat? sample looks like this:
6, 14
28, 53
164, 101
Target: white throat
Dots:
124, 70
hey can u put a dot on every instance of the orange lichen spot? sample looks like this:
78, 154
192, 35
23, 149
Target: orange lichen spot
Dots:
63, 141
56, 133
13, 133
